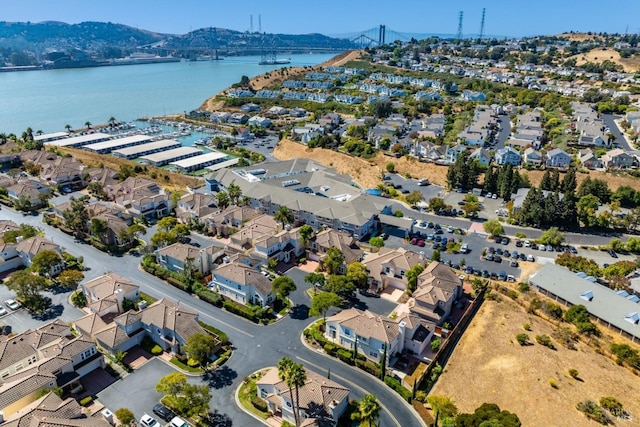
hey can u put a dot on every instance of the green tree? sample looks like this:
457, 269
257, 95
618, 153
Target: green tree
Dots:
196, 399
488, 413
22, 203
612, 405
442, 406
435, 255
357, 274
96, 189
339, 285
163, 238
283, 286
391, 167
125, 416
79, 299
306, 233
493, 227
28, 288
99, 228
376, 242
200, 347
315, 279
25, 231
412, 276
172, 384
381, 109
552, 236
437, 203
235, 193
285, 373
76, 216
322, 302
70, 278
332, 261
587, 207
569, 183
167, 223
44, 262
222, 199
368, 411
284, 216
414, 198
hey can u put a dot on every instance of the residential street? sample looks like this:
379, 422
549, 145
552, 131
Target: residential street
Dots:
255, 346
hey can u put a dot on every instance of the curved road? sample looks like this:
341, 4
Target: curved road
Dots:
255, 346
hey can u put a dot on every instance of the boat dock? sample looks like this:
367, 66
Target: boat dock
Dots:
79, 141
106, 147
166, 157
199, 162
146, 149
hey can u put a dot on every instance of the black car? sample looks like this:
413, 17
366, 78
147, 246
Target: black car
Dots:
485, 274
513, 263
612, 253
439, 231
430, 224
519, 243
506, 254
497, 259
468, 269
163, 412
523, 257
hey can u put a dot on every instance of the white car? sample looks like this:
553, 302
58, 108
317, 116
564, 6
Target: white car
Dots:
149, 421
527, 244
3, 311
12, 304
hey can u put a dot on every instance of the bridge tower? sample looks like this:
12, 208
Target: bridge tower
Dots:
482, 24
251, 23
382, 35
459, 33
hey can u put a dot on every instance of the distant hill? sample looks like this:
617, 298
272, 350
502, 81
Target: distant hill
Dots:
103, 40
52, 35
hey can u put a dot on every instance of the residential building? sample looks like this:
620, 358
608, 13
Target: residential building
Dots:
259, 121
223, 222
532, 157
195, 205
507, 155
321, 400
51, 410
437, 288
30, 190
388, 267
27, 249
371, 333
105, 294
140, 197
617, 159
47, 357
481, 155
181, 257
588, 159
242, 283
558, 158
328, 238
284, 246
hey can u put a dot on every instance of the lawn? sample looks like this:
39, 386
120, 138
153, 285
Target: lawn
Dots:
247, 392
489, 365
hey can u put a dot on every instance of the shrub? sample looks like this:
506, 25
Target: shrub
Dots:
395, 384
545, 340
240, 310
223, 337
523, 287
210, 296
156, 350
345, 355
79, 299
435, 344
178, 284
192, 363
523, 339
566, 337
553, 383
612, 405
573, 373
330, 348
526, 327
86, 401
593, 411
259, 404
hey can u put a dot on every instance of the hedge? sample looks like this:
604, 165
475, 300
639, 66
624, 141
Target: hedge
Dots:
259, 404
395, 384
222, 336
345, 355
240, 310
178, 284
368, 366
86, 401
211, 297
330, 348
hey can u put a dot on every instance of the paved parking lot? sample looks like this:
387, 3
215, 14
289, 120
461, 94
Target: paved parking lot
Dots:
21, 320
408, 185
137, 391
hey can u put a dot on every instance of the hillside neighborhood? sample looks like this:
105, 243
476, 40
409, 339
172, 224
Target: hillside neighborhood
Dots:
285, 291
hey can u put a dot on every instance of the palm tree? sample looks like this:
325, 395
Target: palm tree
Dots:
284, 216
222, 198
369, 408
298, 377
68, 127
284, 373
235, 193
87, 124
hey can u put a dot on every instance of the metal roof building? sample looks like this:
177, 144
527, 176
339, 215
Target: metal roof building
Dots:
144, 149
105, 147
80, 140
166, 157
614, 309
199, 162
46, 137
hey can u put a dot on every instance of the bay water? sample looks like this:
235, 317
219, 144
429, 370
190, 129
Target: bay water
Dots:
47, 100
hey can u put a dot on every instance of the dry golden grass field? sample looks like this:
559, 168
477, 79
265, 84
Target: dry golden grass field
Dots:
489, 365
597, 56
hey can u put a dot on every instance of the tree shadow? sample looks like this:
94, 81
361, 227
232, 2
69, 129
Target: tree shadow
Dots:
216, 419
299, 312
220, 378
49, 313
58, 289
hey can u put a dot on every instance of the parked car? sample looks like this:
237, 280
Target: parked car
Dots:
429, 224
497, 259
504, 241
518, 243
573, 250
493, 275
439, 231
514, 255
384, 236
413, 241
527, 244
543, 248
612, 253
499, 251
178, 422
534, 246
506, 254
449, 229
494, 196
491, 250
530, 258
513, 263
502, 275
489, 257
163, 412
3, 311
549, 248
511, 278
12, 304
468, 269
421, 243
485, 273
523, 257
149, 421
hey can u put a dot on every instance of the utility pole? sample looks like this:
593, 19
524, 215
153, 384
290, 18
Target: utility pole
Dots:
482, 24
459, 34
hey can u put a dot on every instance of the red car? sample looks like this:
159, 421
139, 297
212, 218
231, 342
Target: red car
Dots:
414, 241
421, 243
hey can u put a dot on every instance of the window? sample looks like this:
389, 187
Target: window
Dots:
347, 332
5, 374
32, 360
239, 287
362, 339
19, 367
373, 353
263, 393
88, 353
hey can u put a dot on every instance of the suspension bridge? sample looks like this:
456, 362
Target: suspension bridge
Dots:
377, 36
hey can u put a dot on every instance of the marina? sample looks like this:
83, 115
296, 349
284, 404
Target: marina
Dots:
145, 149
198, 162
165, 157
106, 147
80, 140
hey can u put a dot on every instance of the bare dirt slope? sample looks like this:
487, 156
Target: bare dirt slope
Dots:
597, 56
490, 366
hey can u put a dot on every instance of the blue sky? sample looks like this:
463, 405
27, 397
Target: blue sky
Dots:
511, 18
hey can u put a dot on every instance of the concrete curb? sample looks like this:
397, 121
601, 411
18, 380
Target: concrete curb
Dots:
242, 408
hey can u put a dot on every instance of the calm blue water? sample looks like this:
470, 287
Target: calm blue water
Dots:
48, 100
